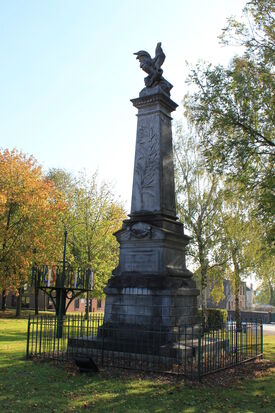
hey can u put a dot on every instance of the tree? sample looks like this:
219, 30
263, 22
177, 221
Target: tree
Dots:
198, 198
29, 210
265, 273
241, 240
233, 107
94, 215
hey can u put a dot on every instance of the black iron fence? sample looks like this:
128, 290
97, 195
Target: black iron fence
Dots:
185, 350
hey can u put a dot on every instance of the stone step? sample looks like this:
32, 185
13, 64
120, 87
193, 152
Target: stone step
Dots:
178, 350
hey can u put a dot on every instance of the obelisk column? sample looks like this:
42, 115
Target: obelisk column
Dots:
153, 182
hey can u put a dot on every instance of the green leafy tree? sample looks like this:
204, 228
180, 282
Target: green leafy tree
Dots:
265, 273
198, 200
241, 240
94, 215
233, 107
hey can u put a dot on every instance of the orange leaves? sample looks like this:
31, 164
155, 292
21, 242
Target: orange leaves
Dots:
30, 208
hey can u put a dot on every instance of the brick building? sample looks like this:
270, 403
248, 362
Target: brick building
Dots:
45, 303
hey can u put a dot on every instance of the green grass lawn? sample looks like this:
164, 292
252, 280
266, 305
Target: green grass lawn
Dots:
10, 313
27, 386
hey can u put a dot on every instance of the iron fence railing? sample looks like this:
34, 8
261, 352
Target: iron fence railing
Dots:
186, 350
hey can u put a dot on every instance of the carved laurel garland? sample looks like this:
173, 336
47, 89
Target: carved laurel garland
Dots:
147, 161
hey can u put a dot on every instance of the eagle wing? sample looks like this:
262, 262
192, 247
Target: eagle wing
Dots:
159, 57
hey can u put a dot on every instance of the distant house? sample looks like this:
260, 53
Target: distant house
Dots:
45, 303
228, 302
249, 296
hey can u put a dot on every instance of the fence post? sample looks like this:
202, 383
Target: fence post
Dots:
102, 350
40, 339
262, 339
236, 343
81, 325
199, 354
87, 326
28, 337
256, 337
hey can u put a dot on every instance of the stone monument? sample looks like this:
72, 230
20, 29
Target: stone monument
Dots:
151, 287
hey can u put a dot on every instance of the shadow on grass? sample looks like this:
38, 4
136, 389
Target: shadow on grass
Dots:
45, 387
12, 336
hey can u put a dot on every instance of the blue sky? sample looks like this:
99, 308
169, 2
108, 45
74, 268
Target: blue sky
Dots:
68, 74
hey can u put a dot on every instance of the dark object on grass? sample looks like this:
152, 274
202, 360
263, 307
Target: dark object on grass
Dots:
86, 364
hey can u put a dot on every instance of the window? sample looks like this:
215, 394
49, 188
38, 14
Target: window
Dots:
25, 302
98, 303
13, 300
76, 304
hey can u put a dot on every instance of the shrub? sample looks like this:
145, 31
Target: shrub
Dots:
215, 318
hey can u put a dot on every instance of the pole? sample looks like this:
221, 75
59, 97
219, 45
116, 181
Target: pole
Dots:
87, 312
35, 282
28, 338
61, 290
199, 352
36, 291
89, 284
64, 258
262, 339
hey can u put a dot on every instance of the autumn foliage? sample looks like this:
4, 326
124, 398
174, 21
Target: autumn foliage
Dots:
30, 208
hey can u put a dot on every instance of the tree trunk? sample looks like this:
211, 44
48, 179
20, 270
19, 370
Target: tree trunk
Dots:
272, 294
237, 302
236, 284
203, 296
19, 301
4, 299
87, 305
237, 294
204, 267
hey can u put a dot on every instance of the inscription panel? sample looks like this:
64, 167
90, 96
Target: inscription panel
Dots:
143, 261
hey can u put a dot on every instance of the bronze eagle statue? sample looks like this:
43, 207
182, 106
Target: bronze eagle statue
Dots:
152, 66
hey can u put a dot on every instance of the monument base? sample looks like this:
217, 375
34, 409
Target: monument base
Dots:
171, 303
150, 315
